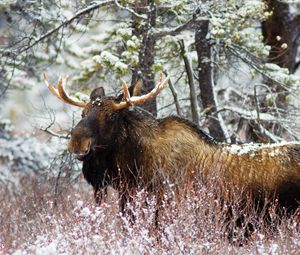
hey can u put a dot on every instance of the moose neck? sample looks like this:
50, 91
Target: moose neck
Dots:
158, 146
135, 126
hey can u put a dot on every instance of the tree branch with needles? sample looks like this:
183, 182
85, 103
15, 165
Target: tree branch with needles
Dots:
175, 95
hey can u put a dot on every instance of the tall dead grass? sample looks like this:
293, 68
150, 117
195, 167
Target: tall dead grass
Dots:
34, 221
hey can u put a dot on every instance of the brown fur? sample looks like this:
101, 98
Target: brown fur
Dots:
129, 148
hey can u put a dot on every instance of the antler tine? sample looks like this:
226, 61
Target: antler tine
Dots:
60, 93
50, 87
126, 93
153, 93
135, 100
64, 95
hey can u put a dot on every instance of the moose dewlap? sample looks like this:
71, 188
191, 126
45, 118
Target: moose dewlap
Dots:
126, 147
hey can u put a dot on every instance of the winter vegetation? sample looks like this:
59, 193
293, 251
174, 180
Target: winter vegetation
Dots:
234, 68
36, 222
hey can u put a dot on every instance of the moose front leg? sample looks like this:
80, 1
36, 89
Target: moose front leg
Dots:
96, 175
99, 195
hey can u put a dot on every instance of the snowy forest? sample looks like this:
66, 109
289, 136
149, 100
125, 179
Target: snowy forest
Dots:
234, 69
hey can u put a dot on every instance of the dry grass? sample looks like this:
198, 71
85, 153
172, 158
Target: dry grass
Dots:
33, 221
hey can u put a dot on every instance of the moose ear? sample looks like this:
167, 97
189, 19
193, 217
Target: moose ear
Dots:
98, 92
134, 90
137, 88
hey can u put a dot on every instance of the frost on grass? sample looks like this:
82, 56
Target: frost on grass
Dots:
195, 224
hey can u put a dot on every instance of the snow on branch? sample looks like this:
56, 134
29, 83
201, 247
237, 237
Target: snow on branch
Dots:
86, 10
248, 58
130, 10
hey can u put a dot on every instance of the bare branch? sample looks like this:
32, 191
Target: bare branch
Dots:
52, 133
189, 73
178, 29
175, 96
48, 130
67, 22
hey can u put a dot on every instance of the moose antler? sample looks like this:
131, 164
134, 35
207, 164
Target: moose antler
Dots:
136, 100
60, 92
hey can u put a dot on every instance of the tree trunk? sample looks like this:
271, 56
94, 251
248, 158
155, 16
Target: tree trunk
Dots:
147, 51
281, 31
207, 95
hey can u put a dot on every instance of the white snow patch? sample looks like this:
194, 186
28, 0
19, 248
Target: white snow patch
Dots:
85, 212
254, 148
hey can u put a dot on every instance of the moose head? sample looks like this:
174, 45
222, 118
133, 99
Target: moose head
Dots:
98, 128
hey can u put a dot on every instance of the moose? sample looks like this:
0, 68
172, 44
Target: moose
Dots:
126, 147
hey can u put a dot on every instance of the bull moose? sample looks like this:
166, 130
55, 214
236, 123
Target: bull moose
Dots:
126, 147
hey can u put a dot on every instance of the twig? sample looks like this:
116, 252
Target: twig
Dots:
270, 135
51, 132
169, 105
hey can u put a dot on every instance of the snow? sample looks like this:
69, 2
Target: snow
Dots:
121, 66
254, 148
282, 75
22, 156
76, 50
110, 60
85, 212
106, 56
124, 31
131, 44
